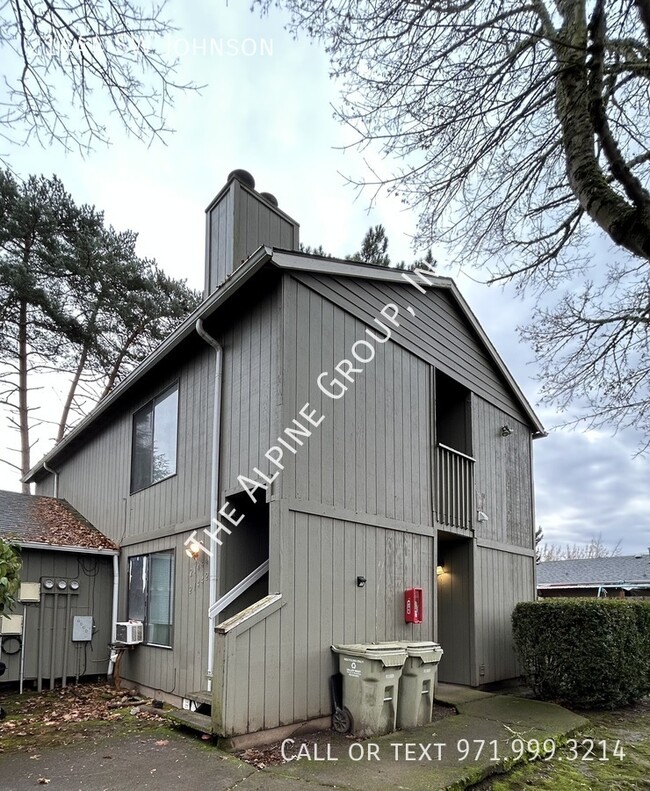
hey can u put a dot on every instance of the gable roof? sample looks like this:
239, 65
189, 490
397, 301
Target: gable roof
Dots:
286, 260
28, 520
595, 572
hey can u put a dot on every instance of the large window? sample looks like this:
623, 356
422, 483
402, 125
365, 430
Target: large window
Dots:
151, 580
155, 430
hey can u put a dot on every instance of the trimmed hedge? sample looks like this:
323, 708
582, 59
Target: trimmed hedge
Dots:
588, 653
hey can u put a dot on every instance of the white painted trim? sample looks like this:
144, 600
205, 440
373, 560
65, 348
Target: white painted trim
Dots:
228, 598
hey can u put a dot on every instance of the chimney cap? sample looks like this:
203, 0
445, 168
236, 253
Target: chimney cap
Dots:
270, 198
242, 176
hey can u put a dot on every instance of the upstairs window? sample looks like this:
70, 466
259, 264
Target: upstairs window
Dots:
155, 430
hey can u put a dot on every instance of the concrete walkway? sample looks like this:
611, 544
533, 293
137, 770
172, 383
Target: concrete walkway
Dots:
451, 753
443, 755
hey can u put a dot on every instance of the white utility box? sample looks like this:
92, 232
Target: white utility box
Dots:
11, 624
30, 592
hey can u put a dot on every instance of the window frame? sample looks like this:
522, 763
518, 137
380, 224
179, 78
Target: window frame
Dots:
145, 557
151, 405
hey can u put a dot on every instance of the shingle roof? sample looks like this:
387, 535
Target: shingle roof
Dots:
622, 570
26, 518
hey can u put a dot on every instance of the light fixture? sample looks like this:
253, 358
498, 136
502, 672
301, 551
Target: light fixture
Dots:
61, 585
48, 584
193, 550
506, 431
482, 517
361, 582
440, 570
74, 585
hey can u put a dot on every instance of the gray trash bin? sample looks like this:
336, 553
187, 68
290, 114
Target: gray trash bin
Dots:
371, 675
418, 683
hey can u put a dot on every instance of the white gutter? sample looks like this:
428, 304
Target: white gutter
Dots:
58, 548
116, 587
214, 556
56, 478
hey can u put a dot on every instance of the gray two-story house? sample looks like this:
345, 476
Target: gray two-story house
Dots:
317, 438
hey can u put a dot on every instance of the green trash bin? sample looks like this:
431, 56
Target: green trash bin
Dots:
418, 683
371, 675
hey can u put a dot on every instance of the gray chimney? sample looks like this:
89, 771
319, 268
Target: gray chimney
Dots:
239, 220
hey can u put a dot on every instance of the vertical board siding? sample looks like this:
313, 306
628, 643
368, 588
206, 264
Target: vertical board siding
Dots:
181, 669
502, 579
371, 453
278, 671
95, 576
96, 479
438, 332
503, 475
219, 242
249, 404
321, 561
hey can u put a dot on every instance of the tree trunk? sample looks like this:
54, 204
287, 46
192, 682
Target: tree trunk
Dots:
626, 224
23, 411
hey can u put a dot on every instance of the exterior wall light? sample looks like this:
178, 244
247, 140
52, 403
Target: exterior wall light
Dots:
440, 570
506, 431
193, 550
361, 582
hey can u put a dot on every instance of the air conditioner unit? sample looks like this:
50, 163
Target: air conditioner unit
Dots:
129, 632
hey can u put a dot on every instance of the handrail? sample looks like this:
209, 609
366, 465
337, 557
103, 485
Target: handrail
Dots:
238, 589
457, 452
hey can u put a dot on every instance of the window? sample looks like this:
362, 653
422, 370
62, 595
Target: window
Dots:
155, 429
151, 578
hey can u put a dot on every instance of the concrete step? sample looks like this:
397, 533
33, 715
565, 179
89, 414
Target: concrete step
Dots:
202, 696
191, 719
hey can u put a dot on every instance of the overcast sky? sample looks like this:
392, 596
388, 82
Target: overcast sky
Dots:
266, 107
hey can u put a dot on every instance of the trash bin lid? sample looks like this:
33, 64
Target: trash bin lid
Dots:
426, 651
390, 654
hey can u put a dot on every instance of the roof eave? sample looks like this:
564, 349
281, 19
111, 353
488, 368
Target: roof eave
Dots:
41, 545
183, 331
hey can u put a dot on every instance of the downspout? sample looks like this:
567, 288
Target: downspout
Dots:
56, 479
214, 487
116, 587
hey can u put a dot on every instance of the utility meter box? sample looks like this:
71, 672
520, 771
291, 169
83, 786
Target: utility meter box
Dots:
82, 628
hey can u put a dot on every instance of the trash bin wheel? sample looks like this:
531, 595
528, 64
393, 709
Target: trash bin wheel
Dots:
342, 720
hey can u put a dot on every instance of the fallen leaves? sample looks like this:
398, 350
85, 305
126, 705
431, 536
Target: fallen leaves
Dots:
61, 711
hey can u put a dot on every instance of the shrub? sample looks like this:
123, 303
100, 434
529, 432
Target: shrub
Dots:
588, 653
9, 574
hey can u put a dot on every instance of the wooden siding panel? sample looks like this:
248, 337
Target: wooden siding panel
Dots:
96, 479
364, 456
502, 580
437, 333
329, 607
95, 576
181, 669
502, 476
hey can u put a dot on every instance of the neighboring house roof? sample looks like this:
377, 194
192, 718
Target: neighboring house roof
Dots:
27, 519
286, 260
622, 571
